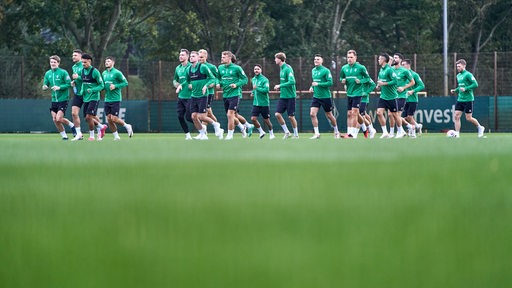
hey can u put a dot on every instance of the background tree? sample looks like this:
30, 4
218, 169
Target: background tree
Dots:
239, 26
148, 30
409, 26
473, 26
300, 28
338, 19
90, 25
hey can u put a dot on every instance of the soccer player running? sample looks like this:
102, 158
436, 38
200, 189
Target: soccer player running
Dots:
114, 82
466, 84
354, 76
365, 120
203, 57
404, 81
287, 96
232, 78
183, 103
58, 81
321, 88
199, 78
261, 102
78, 99
387, 101
245, 127
92, 84
411, 104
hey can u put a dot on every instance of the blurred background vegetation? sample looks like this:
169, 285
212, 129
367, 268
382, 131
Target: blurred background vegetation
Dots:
145, 33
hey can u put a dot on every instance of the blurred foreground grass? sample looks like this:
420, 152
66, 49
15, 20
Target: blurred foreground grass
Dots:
158, 211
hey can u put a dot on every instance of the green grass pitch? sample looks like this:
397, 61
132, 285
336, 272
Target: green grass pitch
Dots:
159, 211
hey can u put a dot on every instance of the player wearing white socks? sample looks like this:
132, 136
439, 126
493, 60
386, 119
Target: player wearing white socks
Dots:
354, 76
321, 88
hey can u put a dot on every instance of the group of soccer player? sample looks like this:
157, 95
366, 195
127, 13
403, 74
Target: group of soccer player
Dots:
195, 80
87, 82
398, 84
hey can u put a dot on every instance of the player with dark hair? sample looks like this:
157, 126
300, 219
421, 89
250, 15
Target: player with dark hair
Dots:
404, 81
183, 103
114, 83
78, 99
261, 102
92, 84
387, 101
411, 104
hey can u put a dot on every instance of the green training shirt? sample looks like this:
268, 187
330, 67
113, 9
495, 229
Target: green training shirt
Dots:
367, 89
388, 75
352, 72
199, 76
287, 82
467, 80
417, 87
114, 76
58, 77
260, 94
231, 74
215, 72
92, 84
403, 77
77, 69
323, 77
180, 77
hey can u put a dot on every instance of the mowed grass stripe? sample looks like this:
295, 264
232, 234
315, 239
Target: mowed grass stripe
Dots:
156, 210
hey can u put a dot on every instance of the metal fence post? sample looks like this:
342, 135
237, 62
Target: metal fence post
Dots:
496, 91
454, 70
159, 95
22, 76
127, 75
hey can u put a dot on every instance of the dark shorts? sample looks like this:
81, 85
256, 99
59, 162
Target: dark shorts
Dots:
362, 108
325, 103
112, 108
210, 99
264, 111
400, 103
231, 103
59, 106
410, 108
390, 105
353, 102
78, 101
467, 107
90, 108
286, 104
198, 105
183, 106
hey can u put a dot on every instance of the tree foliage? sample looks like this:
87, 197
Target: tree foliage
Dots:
59, 26
476, 24
158, 28
148, 30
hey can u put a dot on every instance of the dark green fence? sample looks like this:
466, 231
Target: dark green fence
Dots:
22, 116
